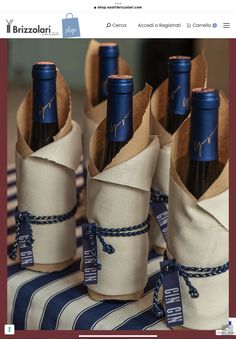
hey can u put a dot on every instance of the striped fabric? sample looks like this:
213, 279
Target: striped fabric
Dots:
48, 301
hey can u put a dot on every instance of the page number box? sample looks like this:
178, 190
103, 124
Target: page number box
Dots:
9, 329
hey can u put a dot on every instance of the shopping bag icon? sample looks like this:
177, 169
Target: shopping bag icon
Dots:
70, 26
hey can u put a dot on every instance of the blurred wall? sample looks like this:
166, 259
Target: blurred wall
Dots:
217, 54
68, 54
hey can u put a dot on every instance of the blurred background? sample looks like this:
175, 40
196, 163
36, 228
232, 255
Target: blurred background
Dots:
146, 57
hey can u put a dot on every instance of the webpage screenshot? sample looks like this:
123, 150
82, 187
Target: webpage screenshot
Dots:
115, 181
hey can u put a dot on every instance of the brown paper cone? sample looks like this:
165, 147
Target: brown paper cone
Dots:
158, 117
180, 151
139, 141
24, 126
24, 117
160, 98
220, 185
96, 113
99, 297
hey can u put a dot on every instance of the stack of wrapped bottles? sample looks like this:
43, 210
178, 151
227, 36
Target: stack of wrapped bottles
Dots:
157, 177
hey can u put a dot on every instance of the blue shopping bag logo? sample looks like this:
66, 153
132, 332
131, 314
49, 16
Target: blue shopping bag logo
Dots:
70, 26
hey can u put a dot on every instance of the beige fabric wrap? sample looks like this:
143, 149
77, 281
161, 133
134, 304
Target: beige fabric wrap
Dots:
46, 181
198, 231
119, 197
158, 116
93, 115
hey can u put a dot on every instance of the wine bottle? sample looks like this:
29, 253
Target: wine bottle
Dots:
108, 65
179, 68
119, 124
45, 120
203, 166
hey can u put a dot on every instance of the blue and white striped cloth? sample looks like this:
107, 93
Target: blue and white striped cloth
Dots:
48, 301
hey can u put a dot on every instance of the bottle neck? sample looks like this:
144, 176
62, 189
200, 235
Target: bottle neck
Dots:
107, 66
119, 126
44, 100
178, 93
203, 140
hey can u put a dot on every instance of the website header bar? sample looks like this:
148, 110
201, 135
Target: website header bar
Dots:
141, 25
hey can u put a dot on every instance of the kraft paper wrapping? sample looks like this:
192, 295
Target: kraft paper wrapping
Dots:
198, 231
119, 197
46, 181
158, 115
93, 115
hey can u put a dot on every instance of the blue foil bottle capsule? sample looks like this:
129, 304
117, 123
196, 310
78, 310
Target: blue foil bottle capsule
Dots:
44, 92
119, 108
203, 142
179, 68
44, 117
119, 125
108, 65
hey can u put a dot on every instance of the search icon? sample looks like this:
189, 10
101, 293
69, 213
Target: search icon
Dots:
108, 25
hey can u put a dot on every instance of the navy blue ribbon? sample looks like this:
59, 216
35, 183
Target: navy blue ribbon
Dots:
158, 203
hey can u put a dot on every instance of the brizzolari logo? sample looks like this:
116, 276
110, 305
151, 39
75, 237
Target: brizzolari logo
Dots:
23, 29
9, 22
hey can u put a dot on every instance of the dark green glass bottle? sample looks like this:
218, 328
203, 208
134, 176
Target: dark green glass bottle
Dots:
203, 165
119, 124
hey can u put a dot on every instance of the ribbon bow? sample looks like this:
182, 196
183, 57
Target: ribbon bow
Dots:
186, 272
166, 269
94, 231
157, 197
24, 218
